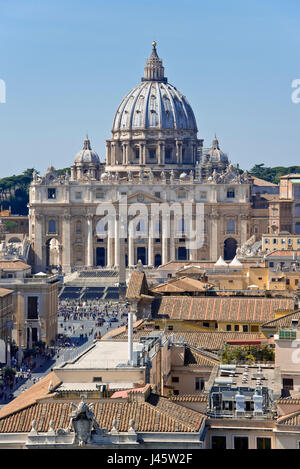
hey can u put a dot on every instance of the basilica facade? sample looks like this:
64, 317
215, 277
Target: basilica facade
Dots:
154, 157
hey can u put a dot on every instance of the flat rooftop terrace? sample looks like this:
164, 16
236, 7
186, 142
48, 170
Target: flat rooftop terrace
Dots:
104, 355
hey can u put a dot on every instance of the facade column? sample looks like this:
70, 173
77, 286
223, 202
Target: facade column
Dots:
165, 240
117, 243
214, 236
108, 153
90, 247
40, 260
124, 153
131, 251
144, 154
110, 260
113, 154
179, 151
243, 228
150, 251
172, 240
29, 330
162, 152
66, 265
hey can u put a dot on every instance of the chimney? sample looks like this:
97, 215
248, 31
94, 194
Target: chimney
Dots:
258, 403
240, 403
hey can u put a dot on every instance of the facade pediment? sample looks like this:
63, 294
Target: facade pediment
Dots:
142, 197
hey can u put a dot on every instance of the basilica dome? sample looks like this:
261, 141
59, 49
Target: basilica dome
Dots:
87, 155
154, 103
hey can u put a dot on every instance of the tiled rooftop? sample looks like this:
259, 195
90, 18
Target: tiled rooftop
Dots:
250, 310
201, 339
156, 414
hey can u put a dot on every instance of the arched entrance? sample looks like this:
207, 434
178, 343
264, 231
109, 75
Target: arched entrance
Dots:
101, 257
182, 253
157, 260
141, 255
230, 245
52, 252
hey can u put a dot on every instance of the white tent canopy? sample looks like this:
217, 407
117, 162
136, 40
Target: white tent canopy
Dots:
220, 263
235, 263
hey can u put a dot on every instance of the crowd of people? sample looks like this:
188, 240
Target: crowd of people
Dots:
89, 317
72, 310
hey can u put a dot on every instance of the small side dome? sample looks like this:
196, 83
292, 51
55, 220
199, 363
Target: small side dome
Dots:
87, 155
215, 154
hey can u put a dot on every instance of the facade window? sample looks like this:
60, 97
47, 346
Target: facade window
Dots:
137, 153
78, 195
51, 193
263, 443
230, 226
182, 254
168, 154
170, 328
241, 442
203, 195
176, 392
152, 154
175, 379
32, 307
78, 227
228, 327
157, 194
230, 194
274, 240
218, 442
236, 328
199, 384
52, 226
245, 328
267, 241
99, 195
181, 195
288, 384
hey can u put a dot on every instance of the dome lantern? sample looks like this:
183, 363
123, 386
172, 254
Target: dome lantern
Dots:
154, 70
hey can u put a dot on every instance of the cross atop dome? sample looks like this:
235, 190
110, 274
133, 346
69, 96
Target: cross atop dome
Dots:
154, 70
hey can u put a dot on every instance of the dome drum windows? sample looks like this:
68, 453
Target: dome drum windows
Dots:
152, 154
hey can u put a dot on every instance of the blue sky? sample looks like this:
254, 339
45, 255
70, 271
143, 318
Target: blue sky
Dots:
68, 64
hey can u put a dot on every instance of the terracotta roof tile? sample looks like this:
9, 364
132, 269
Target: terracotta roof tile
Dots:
31, 395
137, 285
5, 291
251, 310
291, 419
157, 414
14, 265
193, 358
181, 285
210, 341
283, 321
